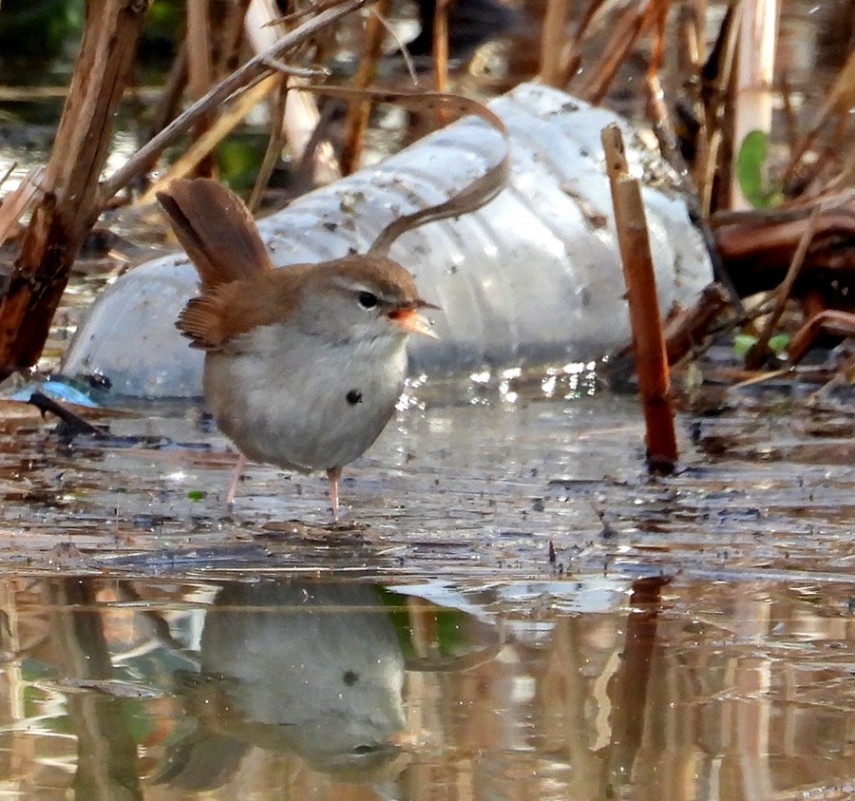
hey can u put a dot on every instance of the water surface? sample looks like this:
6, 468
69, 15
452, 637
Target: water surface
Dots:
511, 609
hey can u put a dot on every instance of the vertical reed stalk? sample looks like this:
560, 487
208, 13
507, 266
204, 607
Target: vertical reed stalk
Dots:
552, 42
647, 334
359, 111
440, 57
200, 70
752, 103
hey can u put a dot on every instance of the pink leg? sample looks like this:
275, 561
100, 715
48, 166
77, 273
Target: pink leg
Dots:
233, 482
334, 474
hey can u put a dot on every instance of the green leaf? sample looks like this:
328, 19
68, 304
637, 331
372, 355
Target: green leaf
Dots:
778, 343
742, 343
751, 171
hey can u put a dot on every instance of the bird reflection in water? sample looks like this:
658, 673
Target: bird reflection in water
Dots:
310, 668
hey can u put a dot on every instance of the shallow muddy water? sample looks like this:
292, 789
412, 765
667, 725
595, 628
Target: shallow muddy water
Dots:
511, 609
690, 637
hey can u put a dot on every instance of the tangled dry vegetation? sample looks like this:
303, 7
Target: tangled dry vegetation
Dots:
763, 142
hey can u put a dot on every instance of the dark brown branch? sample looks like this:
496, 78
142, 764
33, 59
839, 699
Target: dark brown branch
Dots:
69, 205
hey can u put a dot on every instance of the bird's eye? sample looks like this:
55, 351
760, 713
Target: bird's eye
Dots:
368, 300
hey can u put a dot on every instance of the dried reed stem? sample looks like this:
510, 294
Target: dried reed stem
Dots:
838, 103
752, 103
631, 24
69, 204
689, 329
647, 335
251, 73
830, 321
571, 58
200, 70
440, 57
275, 143
202, 148
359, 111
16, 201
552, 42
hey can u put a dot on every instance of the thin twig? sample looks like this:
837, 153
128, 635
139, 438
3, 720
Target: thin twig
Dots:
475, 195
714, 141
403, 49
297, 72
169, 100
302, 12
757, 354
831, 321
684, 332
303, 174
274, 146
571, 59
837, 102
629, 27
664, 130
200, 74
205, 144
12, 167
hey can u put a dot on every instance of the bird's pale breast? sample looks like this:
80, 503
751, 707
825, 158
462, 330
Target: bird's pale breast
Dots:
301, 403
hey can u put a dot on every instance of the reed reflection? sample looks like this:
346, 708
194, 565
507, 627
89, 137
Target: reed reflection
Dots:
653, 690
107, 766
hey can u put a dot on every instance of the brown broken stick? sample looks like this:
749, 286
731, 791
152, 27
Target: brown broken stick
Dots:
688, 329
829, 321
648, 340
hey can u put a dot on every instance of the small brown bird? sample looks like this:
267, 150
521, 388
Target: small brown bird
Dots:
303, 365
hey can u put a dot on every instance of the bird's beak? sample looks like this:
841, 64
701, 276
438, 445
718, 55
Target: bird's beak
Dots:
407, 316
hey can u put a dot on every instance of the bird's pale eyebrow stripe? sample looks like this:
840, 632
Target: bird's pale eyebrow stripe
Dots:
347, 283
384, 292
